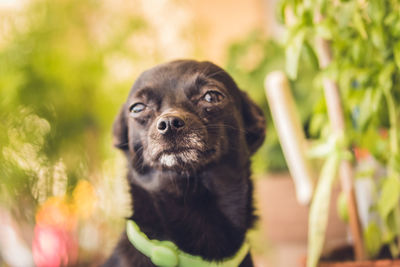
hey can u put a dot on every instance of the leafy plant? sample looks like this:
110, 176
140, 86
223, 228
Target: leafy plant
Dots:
364, 39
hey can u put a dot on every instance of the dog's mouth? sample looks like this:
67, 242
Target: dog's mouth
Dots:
182, 158
178, 157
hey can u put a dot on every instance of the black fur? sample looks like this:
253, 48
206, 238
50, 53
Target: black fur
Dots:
203, 201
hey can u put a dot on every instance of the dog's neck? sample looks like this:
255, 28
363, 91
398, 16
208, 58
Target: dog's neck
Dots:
205, 214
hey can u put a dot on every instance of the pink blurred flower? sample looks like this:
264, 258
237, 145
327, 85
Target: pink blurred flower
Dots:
54, 243
53, 247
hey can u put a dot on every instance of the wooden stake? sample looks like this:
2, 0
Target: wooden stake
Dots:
290, 133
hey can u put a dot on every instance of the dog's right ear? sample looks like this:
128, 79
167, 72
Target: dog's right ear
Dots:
254, 121
120, 130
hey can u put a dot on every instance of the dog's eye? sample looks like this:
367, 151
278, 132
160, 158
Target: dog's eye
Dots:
137, 107
213, 97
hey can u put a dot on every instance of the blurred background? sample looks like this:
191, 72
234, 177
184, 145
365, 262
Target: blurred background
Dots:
66, 66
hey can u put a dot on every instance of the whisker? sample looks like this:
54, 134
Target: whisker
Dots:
123, 144
220, 126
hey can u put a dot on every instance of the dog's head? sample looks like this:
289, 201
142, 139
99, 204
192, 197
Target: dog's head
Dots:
184, 115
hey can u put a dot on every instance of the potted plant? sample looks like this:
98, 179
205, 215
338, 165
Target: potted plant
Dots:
354, 48
284, 226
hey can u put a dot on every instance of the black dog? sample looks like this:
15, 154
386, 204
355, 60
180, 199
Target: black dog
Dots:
188, 133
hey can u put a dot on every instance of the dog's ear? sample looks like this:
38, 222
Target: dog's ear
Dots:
254, 123
120, 131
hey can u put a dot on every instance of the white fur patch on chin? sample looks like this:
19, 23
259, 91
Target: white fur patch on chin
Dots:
170, 160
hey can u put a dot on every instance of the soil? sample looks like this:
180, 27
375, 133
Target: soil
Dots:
344, 257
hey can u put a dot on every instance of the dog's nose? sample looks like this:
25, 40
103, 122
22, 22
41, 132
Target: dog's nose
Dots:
169, 124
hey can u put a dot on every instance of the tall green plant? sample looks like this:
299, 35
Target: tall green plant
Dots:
364, 37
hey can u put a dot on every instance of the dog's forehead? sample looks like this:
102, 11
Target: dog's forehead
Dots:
164, 77
181, 75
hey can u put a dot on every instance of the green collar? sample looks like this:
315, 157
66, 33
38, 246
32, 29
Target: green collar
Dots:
167, 254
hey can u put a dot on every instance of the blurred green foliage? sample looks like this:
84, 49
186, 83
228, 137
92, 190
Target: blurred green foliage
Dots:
249, 60
56, 93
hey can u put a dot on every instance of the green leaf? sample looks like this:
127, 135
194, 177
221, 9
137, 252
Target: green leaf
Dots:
376, 10
389, 198
293, 50
396, 163
396, 52
372, 238
385, 77
323, 149
323, 5
311, 56
280, 11
395, 28
378, 38
391, 226
324, 29
376, 101
307, 17
319, 210
359, 25
342, 209
318, 120
365, 108
358, 51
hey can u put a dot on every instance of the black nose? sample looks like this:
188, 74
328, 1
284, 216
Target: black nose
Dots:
169, 124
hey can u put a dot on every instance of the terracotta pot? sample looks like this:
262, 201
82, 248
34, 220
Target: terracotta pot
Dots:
344, 257
336, 261
377, 263
284, 222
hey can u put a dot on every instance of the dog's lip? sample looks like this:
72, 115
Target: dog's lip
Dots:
178, 150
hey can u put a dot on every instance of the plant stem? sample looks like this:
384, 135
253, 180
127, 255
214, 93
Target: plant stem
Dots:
336, 117
394, 151
393, 138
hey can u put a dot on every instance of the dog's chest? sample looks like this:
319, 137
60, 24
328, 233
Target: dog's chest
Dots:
198, 221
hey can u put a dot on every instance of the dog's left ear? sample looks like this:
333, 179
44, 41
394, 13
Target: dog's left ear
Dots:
120, 131
254, 123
